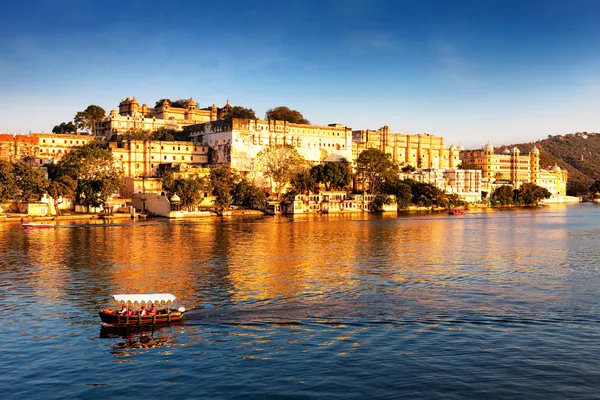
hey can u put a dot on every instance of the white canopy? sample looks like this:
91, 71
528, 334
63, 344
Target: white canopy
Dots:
133, 299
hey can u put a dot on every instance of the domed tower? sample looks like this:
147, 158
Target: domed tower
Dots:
191, 104
135, 105
515, 153
384, 137
488, 153
534, 164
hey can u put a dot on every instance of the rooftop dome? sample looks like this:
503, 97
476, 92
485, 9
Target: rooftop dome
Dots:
515, 150
488, 146
556, 168
535, 150
175, 198
460, 148
453, 147
192, 102
506, 151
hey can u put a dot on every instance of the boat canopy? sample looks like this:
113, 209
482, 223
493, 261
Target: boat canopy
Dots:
144, 299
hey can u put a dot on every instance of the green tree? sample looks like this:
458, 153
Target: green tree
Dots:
31, 183
530, 194
399, 189
159, 103
283, 113
8, 186
134, 134
595, 187
63, 187
425, 194
91, 166
503, 195
576, 187
165, 134
333, 175
408, 168
304, 182
180, 103
190, 190
373, 167
223, 180
279, 164
379, 200
247, 195
65, 127
88, 118
238, 112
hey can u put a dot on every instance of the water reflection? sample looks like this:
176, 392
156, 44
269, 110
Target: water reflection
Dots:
280, 300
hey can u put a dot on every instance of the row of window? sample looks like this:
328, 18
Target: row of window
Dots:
202, 149
67, 141
173, 158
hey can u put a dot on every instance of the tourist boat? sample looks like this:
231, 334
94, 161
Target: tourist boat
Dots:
37, 225
456, 211
164, 302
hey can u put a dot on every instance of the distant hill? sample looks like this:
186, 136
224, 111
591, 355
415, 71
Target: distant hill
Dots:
578, 152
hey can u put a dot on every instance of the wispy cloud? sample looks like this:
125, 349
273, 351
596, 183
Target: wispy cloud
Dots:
454, 67
374, 43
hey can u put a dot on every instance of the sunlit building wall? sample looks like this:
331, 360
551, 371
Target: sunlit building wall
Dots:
420, 151
144, 158
238, 141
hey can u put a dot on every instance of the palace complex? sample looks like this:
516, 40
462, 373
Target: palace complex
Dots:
237, 142
132, 116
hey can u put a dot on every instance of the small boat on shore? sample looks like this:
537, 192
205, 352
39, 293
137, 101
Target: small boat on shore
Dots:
37, 225
133, 310
456, 211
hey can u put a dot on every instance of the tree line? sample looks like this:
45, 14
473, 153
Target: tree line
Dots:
86, 175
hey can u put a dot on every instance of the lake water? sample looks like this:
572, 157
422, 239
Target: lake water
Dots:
500, 304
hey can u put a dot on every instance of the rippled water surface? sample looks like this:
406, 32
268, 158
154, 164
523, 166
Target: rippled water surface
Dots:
487, 305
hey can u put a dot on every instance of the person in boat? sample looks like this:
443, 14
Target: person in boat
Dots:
143, 311
152, 310
123, 310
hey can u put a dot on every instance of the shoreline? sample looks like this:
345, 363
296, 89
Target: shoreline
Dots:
20, 218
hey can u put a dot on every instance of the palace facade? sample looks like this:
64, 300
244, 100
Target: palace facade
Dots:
145, 158
513, 168
39, 148
420, 151
238, 141
132, 116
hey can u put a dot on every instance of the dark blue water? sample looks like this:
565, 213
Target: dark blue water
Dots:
489, 305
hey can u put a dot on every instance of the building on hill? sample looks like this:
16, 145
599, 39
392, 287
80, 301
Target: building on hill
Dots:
39, 148
554, 179
515, 169
147, 158
237, 141
132, 116
420, 151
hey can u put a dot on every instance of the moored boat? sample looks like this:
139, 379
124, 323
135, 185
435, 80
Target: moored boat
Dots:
37, 225
131, 306
456, 211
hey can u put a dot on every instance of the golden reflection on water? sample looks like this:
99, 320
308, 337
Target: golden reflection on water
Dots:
302, 257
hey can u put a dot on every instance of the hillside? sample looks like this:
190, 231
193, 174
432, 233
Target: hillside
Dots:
578, 152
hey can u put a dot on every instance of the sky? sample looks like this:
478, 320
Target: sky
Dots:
471, 71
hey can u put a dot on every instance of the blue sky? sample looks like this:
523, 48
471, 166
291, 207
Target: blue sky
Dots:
469, 71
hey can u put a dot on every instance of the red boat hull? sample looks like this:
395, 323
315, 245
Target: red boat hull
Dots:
109, 317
